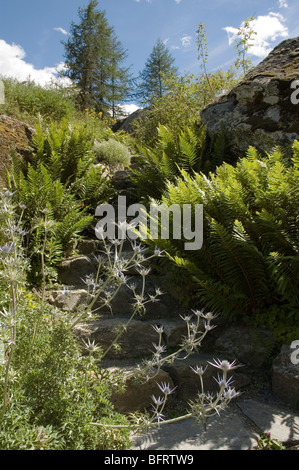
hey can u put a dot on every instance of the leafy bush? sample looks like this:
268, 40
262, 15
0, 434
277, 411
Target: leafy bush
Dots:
59, 392
112, 152
58, 192
248, 265
181, 107
27, 100
189, 150
60, 400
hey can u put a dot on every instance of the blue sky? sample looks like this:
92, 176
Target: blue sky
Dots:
31, 31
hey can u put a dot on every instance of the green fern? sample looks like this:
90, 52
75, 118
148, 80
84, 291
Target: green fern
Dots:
249, 263
164, 163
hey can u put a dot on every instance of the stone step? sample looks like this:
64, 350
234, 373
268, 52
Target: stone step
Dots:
179, 375
138, 338
73, 294
137, 395
239, 427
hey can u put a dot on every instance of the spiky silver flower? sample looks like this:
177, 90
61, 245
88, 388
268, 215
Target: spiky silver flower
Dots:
199, 370
165, 388
225, 366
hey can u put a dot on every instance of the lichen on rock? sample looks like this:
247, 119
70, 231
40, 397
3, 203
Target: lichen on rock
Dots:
15, 136
259, 111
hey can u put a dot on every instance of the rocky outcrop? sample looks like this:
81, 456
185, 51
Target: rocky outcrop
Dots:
259, 111
14, 136
285, 377
126, 124
251, 347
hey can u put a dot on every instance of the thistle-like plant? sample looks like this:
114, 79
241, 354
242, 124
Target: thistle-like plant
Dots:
12, 280
58, 390
198, 324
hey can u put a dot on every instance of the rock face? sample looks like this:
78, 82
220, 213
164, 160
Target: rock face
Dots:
73, 271
259, 111
249, 345
14, 136
285, 377
126, 124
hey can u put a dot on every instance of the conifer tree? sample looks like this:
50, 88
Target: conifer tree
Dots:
94, 58
159, 65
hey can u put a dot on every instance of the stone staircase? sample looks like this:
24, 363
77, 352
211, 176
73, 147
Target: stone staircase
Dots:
249, 346
136, 344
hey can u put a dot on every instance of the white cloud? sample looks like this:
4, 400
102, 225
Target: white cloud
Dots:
61, 30
269, 28
129, 108
186, 41
13, 65
283, 4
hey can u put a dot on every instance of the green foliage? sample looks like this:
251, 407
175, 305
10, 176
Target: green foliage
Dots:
27, 100
164, 162
52, 216
267, 443
59, 190
112, 152
189, 151
249, 263
59, 392
62, 149
181, 106
50, 392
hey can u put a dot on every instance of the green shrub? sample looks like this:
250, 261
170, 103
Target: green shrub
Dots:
249, 263
181, 107
27, 100
59, 190
188, 150
59, 392
50, 392
112, 152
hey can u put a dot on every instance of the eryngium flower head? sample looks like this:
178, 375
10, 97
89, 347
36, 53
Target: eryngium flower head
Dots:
225, 366
165, 388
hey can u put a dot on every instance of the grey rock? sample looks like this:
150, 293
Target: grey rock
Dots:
69, 300
89, 247
138, 337
73, 271
15, 135
167, 305
285, 378
229, 431
258, 111
283, 425
188, 383
138, 389
250, 346
126, 124
136, 341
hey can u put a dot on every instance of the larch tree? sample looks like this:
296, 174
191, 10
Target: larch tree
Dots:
159, 65
94, 58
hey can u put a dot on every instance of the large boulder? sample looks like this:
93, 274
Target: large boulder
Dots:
259, 111
15, 136
127, 124
285, 377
